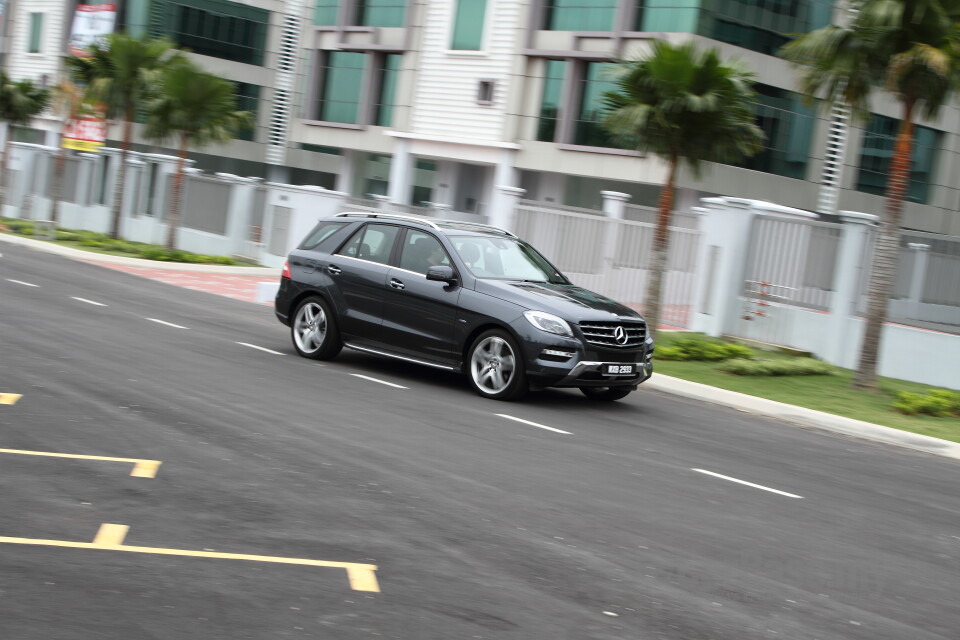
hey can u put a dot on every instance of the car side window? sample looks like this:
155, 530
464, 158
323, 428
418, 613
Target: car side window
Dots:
323, 231
374, 242
421, 251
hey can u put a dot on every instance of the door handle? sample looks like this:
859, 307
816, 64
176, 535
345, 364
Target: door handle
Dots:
396, 284
335, 270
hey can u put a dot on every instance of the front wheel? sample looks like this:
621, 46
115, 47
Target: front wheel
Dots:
314, 330
606, 393
495, 366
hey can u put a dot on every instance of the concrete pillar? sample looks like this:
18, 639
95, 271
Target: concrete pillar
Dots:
721, 263
85, 178
401, 166
614, 205
920, 258
239, 212
843, 342
506, 214
344, 182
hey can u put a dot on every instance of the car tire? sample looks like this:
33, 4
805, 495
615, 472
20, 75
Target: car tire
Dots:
495, 366
607, 394
314, 330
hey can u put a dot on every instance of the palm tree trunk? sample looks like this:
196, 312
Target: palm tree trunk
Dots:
886, 254
119, 188
56, 188
173, 211
658, 263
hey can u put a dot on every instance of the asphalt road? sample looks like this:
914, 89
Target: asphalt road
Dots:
621, 520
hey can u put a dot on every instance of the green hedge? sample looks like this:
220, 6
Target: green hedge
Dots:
939, 402
790, 367
700, 349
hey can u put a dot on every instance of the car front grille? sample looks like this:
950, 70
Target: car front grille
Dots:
605, 334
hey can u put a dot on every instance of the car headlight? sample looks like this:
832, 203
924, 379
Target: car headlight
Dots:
549, 323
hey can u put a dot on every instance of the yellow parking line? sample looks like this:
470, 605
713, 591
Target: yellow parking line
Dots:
10, 398
362, 577
141, 468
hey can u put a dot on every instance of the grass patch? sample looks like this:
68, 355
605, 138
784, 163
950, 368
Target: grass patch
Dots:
104, 244
828, 393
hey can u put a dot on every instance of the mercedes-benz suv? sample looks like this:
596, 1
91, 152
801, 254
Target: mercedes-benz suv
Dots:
463, 297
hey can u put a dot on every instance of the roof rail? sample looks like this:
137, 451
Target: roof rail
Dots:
475, 225
390, 216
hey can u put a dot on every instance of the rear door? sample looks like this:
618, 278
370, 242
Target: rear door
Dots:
358, 272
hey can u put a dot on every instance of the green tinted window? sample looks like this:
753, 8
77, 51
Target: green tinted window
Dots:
342, 82
788, 125
550, 101
381, 13
325, 12
580, 15
216, 28
36, 32
671, 16
468, 25
248, 98
587, 129
389, 76
877, 151
763, 26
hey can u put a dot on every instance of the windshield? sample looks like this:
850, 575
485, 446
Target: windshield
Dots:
505, 259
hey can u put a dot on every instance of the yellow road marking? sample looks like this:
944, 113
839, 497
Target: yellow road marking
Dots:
10, 398
141, 468
362, 577
111, 535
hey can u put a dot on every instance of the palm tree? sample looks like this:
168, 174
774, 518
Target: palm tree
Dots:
909, 47
685, 106
20, 101
197, 107
120, 74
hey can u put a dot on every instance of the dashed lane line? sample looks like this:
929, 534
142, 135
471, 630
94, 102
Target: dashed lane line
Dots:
749, 484
110, 537
533, 424
26, 284
10, 398
389, 384
93, 302
141, 468
253, 346
169, 324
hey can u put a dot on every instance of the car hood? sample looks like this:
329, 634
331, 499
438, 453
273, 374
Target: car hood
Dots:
565, 300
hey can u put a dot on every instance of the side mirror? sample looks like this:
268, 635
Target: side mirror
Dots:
441, 274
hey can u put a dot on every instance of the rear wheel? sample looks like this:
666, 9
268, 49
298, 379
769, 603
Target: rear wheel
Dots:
314, 330
495, 367
606, 393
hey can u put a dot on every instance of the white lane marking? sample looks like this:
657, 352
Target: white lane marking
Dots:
389, 384
253, 346
533, 424
93, 302
26, 284
749, 484
169, 324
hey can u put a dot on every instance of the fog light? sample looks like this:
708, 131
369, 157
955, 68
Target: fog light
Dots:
556, 353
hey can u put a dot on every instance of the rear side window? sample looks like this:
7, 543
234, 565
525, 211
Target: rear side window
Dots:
374, 242
322, 231
421, 251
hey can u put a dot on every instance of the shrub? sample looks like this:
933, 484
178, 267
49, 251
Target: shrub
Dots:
791, 367
22, 227
700, 349
939, 403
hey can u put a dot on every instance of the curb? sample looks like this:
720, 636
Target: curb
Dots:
88, 256
804, 417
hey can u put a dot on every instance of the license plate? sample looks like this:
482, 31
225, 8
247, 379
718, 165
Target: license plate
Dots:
620, 369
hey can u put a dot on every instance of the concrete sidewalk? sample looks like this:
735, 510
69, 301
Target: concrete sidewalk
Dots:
256, 284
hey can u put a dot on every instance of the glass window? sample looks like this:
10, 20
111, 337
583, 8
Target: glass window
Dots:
877, 151
468, 25
550, 101
505, 258
248, 99
372, 175
671, 16
325, 13
421, 251
381, 13
377, 243
389, 77
424, 175
788, 125
323, 231
342, 84
216, 28
36, 32
760, 25
595, 82
580, 15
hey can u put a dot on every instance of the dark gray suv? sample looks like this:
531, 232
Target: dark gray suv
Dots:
459, 296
